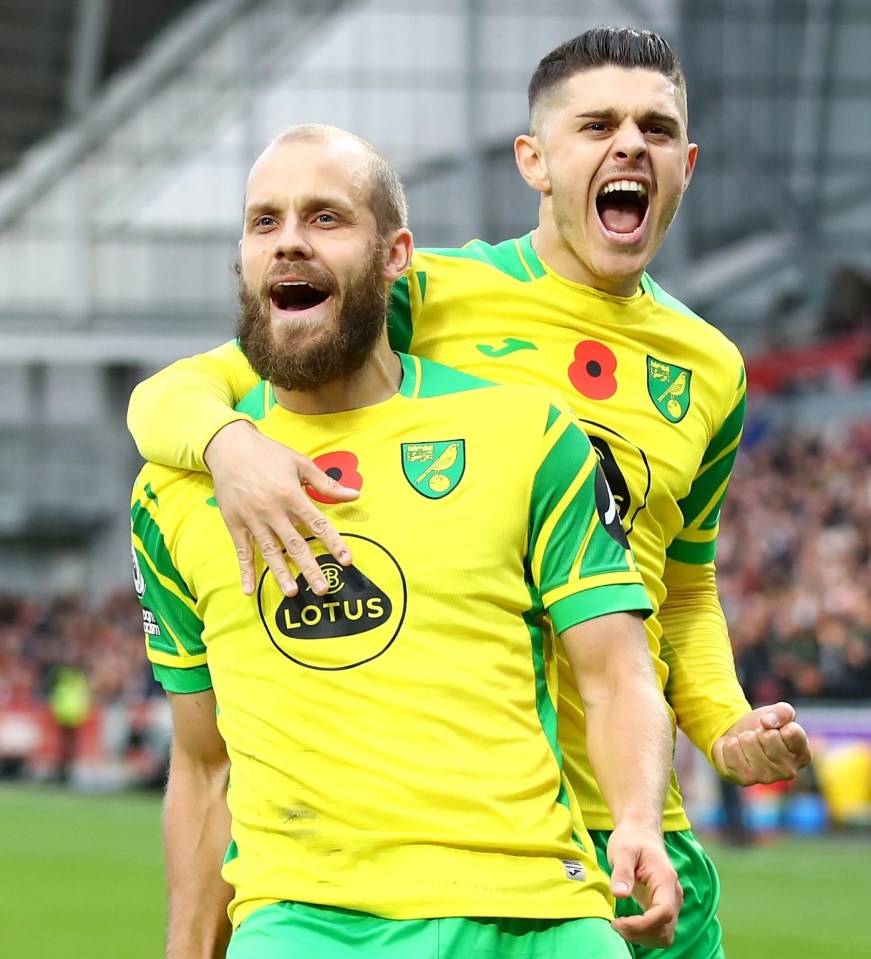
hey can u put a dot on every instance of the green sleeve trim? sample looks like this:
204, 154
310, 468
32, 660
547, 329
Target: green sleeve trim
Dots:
172, 626
400, 325
515, 258
731, 429
694, 553
701, 506
652, 288
567, 539
559, 468
151, 537
600, 601
232, 852
258, 402
195, 679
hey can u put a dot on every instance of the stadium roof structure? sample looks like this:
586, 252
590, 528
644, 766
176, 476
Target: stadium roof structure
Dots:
57, 55
127, 129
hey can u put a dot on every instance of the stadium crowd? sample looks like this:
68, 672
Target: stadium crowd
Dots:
794, 566
103, 639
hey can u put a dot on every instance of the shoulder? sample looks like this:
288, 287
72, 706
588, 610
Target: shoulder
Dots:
168, 496
695, 326
510, 259
518, 413
436, 379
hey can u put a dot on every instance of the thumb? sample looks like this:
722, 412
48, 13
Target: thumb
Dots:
766, 717
776, 716
622, 881
311, 475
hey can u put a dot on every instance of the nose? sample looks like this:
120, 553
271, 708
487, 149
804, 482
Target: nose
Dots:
291, 243
629, 143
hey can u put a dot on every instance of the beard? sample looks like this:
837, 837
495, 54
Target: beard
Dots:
293, 357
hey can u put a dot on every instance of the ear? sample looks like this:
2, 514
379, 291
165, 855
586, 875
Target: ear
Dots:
400, 246
530, 159
692, 156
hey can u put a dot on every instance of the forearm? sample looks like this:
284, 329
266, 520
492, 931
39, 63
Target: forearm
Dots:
196, 831
629, 731
703, 688
630, 745
175, 413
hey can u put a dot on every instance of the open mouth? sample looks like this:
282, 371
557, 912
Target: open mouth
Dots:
622, 206
296, 295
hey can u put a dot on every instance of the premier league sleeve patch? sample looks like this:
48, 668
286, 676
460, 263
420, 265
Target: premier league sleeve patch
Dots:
609, 515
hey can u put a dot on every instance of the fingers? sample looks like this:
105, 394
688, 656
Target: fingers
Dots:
776, 716
322, 529
640, 867
765, 755
622, 881
245, 555
310, 475
766, 745
279, 548
653, 928
260, 488
282, 553
796, 741
661, 897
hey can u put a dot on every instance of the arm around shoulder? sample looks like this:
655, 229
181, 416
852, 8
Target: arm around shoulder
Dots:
175, 413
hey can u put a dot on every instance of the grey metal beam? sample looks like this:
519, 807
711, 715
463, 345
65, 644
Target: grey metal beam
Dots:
471, 203
179, 45
88, 48
98, 349
809, 131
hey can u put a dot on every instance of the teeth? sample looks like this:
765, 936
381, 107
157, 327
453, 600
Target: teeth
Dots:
630, 186
293, 283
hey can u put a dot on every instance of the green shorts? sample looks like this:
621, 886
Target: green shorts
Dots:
303, 931
698, 934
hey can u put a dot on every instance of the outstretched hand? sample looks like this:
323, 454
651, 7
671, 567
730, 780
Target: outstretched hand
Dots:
641, 869
765, 746
260, 490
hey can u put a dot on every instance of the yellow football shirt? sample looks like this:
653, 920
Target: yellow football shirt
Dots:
393, 743
660, 393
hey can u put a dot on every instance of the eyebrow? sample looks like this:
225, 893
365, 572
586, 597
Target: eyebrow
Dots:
254, 210
650, 116
308, 204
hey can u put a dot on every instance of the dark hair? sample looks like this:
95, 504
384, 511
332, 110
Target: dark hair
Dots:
599, 47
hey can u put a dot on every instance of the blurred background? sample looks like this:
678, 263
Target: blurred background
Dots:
126, 133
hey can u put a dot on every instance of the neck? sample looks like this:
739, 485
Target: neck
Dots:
559, 255
377, 380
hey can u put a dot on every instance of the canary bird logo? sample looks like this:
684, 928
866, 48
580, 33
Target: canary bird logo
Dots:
669, 388
434, 468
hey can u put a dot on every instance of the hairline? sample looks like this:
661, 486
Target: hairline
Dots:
546, 98
381, 178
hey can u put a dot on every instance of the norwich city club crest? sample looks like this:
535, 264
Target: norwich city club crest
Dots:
669, 388
434, 469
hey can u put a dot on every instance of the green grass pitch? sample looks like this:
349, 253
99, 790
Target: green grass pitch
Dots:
81, 877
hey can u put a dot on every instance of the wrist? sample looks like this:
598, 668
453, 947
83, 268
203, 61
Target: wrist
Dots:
226, 439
